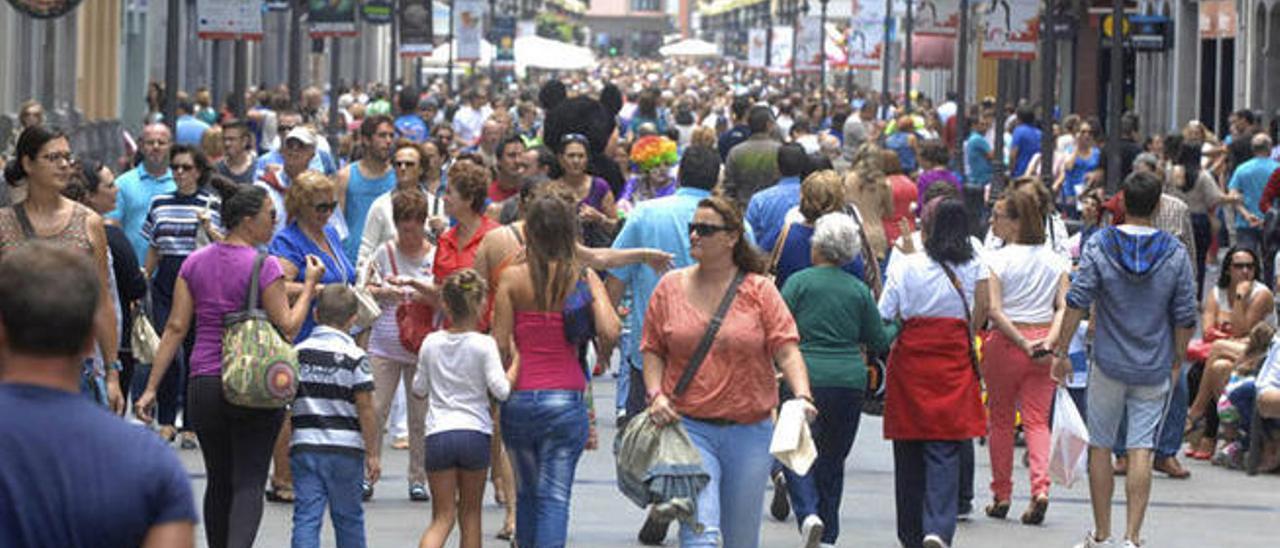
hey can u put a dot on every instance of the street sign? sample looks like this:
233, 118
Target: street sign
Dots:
229, 20
1108, 26
376, 12
332, 18
1151, 32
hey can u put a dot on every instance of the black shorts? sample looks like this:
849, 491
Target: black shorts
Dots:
465, 449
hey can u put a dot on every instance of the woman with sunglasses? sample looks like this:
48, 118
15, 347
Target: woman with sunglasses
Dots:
1237, 303
174, 228
43, 163
728, 405
309, 202
596, 208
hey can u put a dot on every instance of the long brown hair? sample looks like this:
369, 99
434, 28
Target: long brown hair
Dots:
745, 255
551, 227
1024, 209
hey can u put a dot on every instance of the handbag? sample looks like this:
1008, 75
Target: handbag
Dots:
414, 320
143, 340
968, 318
259, 367
713, 327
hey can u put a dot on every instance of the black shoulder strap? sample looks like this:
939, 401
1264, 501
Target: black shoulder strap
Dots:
704, 346
968, 318
20, 211
251, 300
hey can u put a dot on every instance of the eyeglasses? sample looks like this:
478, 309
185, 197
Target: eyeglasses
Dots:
285, 129
1244, 266
706, 229
400, 164
55, 157
574, 138
155, 143
326, 207
180, 168
294, 144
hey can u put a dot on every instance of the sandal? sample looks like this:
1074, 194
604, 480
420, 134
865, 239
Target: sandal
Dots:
998, 509
507, 532
418, 493
279, 494
1035, 513
1171, 467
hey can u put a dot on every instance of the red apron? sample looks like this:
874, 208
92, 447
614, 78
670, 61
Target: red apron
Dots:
932, 392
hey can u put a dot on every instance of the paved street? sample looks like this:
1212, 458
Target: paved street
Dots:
1215, 507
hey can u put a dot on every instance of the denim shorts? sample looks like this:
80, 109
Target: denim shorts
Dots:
465, 449
1110, 401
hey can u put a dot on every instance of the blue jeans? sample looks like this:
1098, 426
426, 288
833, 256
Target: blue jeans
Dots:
819, 491
926, 478
545, 432
731, 506
1169, 435
321, 478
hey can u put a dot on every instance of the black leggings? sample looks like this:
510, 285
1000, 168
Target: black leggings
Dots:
236, 443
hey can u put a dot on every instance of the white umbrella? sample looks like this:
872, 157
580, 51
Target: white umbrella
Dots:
544, 53
691, 47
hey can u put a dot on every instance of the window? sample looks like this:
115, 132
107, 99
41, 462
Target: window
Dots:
646, 5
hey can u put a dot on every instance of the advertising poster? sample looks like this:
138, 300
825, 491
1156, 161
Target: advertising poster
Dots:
935, 17
229, 19
468, 28
331, 18
415, 28
866, 35
756, 50
780, 52
1009, 28
809, 49
504, 41
376, 12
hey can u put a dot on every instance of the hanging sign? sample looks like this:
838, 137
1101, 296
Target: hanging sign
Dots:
332, 18
229, 19
1010, 28
416, 28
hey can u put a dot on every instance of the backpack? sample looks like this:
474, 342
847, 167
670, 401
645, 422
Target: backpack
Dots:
259, 367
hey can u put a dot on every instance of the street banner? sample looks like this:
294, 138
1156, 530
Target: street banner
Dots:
376, 12
935, 17
504, 41
44, 9
1010, 28
415, 28
780, 50
331, 18
809, 47
758, 41
229, 19
468, 28
866, 35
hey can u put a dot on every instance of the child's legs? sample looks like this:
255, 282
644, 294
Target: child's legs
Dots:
444, 485
470, 498
343, 477
309, 499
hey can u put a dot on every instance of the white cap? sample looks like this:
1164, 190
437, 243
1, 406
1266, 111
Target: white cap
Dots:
302, 134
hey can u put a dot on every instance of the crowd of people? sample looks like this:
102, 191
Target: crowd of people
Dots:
455, 268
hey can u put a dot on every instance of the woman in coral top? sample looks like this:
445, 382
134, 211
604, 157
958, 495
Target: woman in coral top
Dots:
727, 406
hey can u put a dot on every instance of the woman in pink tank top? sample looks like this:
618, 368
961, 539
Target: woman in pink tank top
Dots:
547, 306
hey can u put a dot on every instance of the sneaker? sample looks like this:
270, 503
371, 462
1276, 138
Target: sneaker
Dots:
933, 541
1131, 544
366, 491
965, 510
811, 531
188, 441
1090, 542
654, 530
418, 493
780, 506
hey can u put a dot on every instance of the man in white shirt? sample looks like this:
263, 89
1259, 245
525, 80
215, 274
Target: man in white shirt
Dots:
469, 119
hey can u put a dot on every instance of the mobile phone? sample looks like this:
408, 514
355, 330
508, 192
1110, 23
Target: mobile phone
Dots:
1041, 353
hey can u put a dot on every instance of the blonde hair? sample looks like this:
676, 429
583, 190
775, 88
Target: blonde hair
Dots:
304, 191
703, 136
463, 294
821, 192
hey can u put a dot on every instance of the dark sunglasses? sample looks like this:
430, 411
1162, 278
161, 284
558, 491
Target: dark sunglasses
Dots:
326, 207
705, 229
403, 164
574, 138
1243, 266
181, 168
284, 129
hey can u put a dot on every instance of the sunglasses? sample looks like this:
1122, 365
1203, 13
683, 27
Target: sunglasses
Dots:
705, 229
574, 138
326, 207
181, 168
1243, 266
404, 164
285, 129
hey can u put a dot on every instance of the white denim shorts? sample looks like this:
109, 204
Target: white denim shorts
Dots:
1110, 401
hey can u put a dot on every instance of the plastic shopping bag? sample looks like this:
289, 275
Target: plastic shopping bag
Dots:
1069, 445
792, 443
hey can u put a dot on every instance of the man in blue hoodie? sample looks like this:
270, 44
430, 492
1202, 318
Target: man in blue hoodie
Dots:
1141, 287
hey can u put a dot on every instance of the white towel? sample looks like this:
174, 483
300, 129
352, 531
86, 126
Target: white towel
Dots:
792, 444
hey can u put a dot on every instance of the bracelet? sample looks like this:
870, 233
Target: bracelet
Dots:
806, 397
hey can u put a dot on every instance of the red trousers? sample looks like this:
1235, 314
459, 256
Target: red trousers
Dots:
1016, 383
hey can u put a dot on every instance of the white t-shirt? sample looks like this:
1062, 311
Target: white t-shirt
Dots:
457, 372
1029, 276
916, 286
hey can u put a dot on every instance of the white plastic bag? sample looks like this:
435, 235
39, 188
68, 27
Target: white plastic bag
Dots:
792, 443
1069, 445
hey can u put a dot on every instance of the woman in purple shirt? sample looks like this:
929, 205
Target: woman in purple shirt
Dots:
933, 167
235, 441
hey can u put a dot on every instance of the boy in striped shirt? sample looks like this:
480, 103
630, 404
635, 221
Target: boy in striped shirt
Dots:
333, 424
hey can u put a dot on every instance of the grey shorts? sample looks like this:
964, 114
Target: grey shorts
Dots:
1142, 406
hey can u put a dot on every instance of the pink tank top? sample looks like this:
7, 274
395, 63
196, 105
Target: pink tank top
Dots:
547, 360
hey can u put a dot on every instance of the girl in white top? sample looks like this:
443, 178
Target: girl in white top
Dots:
1028, 284
458, 369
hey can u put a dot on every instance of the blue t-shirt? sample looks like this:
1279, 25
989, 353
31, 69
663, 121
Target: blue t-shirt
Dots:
74, 475
1079, 168
768, 208
411, 127
1250, 179
190, 131
1027, 140
137, 189
293, 245
795, 255
976, 149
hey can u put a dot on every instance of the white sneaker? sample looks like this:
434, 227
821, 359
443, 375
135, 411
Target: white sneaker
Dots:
934, 541
1090, 542
1131, 544
811, 531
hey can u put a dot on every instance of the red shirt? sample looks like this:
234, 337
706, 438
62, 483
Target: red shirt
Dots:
1116, 207
498, 194
904, 194
450, 257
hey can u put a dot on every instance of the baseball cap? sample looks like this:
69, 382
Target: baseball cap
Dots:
302, 134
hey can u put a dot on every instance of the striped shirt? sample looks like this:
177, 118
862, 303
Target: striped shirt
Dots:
173, 222
332, 370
